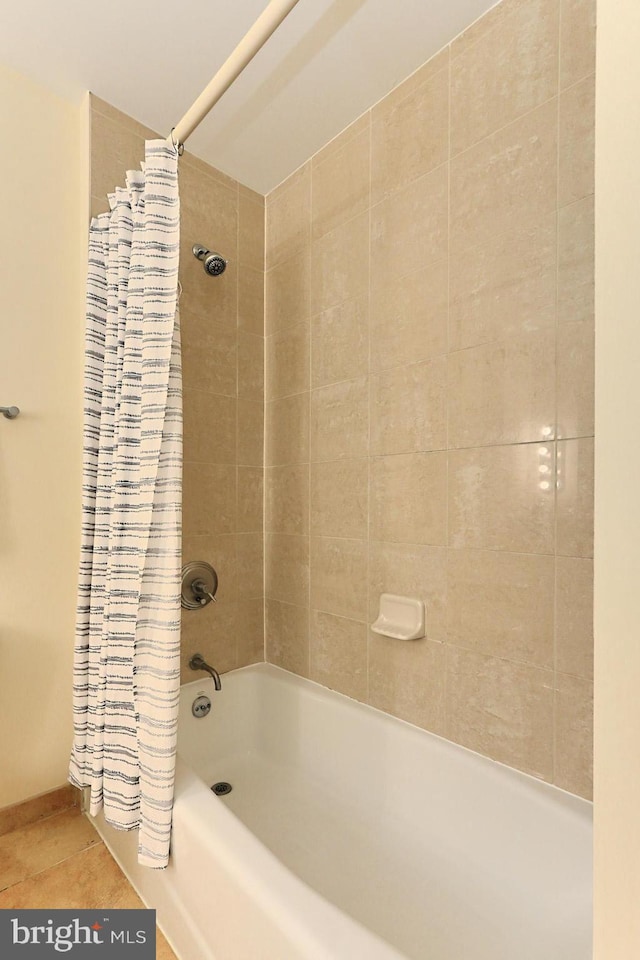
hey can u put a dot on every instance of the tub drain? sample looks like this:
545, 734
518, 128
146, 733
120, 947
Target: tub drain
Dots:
222, 788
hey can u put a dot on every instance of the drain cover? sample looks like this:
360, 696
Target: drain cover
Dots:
221, 788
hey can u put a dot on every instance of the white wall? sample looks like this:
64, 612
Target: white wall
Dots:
617, 547
44, 184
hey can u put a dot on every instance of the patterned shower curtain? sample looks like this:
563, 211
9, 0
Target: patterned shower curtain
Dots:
127, 669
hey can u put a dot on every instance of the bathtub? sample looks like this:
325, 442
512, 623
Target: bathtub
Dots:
350, 835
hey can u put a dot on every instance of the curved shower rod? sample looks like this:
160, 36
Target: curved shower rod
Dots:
266, 24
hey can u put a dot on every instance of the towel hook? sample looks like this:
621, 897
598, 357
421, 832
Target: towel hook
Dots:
10, 412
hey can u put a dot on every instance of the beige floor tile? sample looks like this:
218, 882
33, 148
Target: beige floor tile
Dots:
36, 847
88, 880
37, 808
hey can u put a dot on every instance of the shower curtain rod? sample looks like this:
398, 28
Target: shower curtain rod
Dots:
268, 21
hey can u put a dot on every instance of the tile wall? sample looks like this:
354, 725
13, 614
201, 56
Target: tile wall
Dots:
429, 395
223, 371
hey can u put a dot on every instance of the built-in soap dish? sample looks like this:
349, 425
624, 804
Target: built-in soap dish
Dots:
400, 617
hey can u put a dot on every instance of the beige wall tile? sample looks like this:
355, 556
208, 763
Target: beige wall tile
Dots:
409, 229
411, 570
287, 499
250, 300
501, 709
288, 214
577, 142
209, 355
503, 392
340, 264
408, 315
576, 255
250, 496
409, 408
576, 380
250, 626
288, 292
496, 501
574, 735
287, 568
249, 194
250, 565
574, 532
340, 342
136, 128
288, 361
577, 40
250, 433
340, 420
212, 298
508, 178
205, 169
409, 498
574, 616
340, 184
409, 136
339, 654
251, 229
208, 215
114, 150
98, 205
209, 498
339, 577
505, 74
209, 427
288, 430
406, 678
482, 26
505, 286
339, 498
250, 366
338, 144
210, 631
220, 552
417, 79
287, 636
501, 604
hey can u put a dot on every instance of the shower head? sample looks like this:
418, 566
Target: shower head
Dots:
214, 264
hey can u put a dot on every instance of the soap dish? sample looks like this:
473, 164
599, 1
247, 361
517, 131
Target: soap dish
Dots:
400, 617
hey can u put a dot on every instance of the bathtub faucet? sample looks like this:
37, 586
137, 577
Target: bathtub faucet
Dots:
198, 662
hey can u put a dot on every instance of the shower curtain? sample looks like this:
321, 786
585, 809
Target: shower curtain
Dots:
126, 667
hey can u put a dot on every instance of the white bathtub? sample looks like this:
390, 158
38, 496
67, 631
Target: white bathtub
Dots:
350, 835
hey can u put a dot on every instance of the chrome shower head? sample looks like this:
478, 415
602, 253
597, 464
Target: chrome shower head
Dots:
214, 263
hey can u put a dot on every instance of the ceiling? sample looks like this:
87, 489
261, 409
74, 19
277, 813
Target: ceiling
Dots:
328, 62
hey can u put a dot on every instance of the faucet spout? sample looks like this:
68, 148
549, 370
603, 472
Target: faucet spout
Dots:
198, 662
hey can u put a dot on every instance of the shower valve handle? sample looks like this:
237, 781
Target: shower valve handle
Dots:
201, 593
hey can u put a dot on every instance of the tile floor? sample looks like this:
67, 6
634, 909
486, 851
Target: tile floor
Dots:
61, 862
